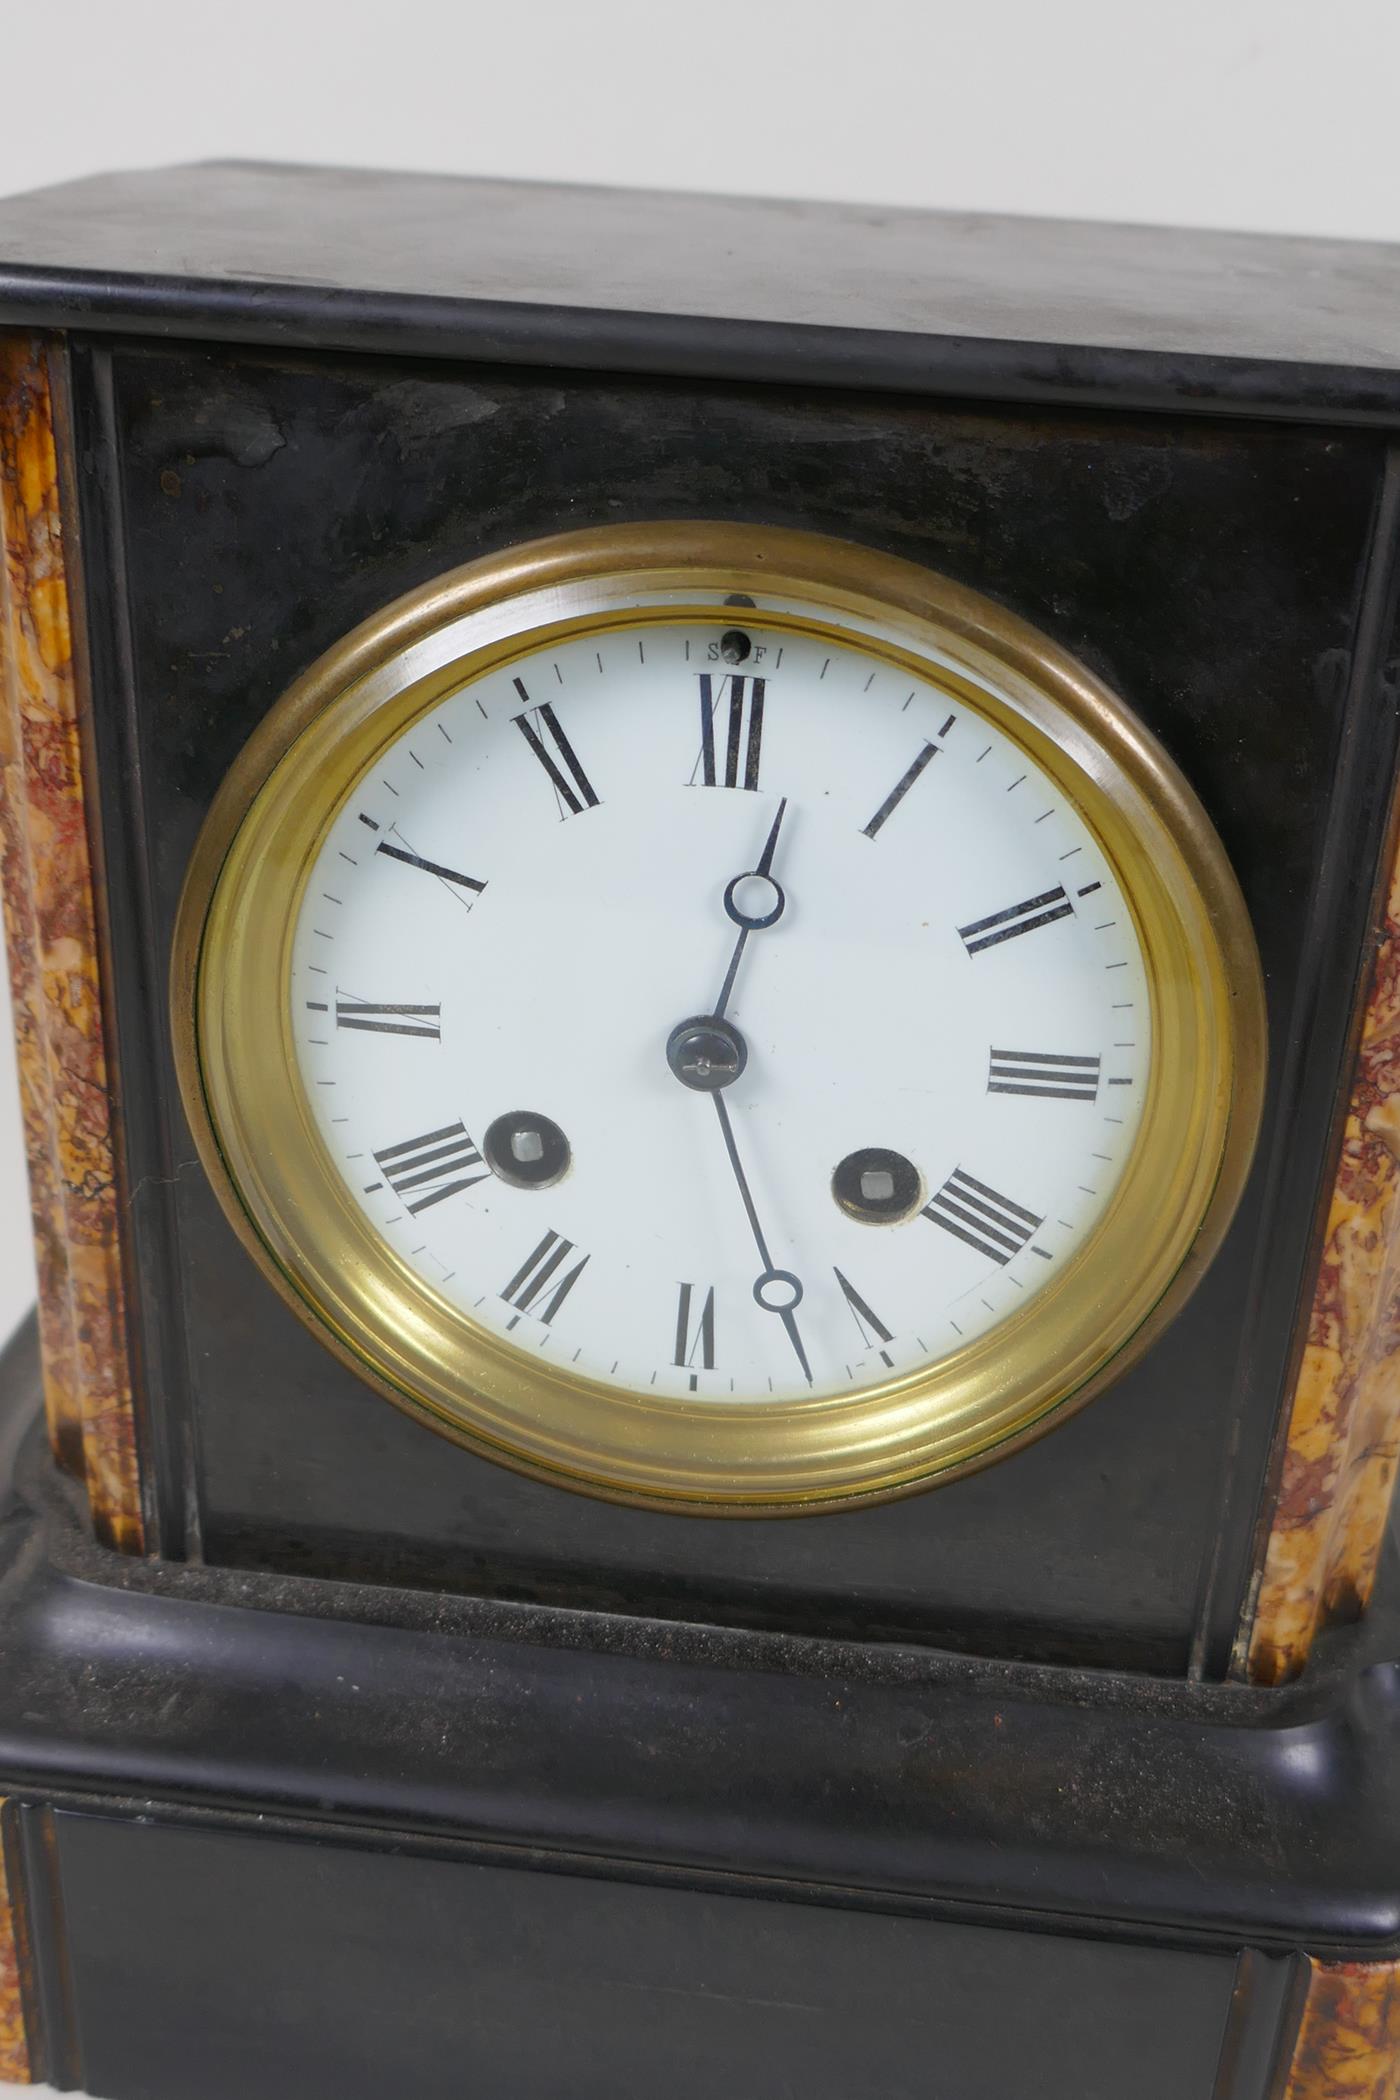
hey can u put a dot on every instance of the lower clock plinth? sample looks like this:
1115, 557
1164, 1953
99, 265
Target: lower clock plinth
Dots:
320, 1823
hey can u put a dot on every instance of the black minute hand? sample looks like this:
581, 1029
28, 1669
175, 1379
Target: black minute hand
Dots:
784, 1290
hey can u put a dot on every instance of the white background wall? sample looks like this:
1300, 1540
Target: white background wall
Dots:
1276, 115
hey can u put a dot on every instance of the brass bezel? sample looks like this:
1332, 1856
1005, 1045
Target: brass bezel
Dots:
292, 1211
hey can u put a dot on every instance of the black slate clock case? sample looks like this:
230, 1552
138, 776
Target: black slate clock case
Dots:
245, 510
390, 1765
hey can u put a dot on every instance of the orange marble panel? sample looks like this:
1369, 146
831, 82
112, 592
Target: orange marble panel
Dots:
1339, 1461
1348, 2045
52, 938
15, 2065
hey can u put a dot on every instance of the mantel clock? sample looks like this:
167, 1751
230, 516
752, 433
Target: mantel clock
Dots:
700, 904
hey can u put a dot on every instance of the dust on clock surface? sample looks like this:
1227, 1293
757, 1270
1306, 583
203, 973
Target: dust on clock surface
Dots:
1212, 574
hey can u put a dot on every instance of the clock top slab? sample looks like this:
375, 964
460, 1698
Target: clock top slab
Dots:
725, 287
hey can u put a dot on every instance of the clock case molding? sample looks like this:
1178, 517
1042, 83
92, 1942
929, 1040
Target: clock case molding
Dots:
1141, 444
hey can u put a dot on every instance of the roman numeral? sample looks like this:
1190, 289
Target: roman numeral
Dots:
980, 1218
1043, 1074
869, 1325
532, 1280
540, 727
429, 867
1017, 918
439, 1164
389, 1020
900, 789
702, 1342
741, 752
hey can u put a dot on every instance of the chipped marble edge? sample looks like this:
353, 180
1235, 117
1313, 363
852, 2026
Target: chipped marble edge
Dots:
1348, 2042
1339, 1460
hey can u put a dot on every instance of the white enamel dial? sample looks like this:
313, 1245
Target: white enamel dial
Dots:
945, 1030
